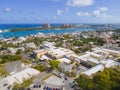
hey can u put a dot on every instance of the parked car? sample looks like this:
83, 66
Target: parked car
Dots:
5, 84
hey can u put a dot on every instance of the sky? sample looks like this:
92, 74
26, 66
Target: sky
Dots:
59, 11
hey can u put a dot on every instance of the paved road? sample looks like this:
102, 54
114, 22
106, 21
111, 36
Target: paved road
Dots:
40, 77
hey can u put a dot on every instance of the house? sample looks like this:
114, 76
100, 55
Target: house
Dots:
30, 45
22, 39
65, 67
64, 60
44, 57
40, 35
20, 48
11, 50
79, 70
49, 45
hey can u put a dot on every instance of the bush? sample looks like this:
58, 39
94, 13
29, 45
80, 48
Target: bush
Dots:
54, 64
41, 67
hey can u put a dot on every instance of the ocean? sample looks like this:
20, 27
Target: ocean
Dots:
8, 34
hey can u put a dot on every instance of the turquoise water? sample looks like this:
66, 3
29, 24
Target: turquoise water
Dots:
33, 32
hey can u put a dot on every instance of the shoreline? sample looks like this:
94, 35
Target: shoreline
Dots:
52, 33
35, 29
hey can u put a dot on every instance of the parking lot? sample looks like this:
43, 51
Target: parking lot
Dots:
52, 83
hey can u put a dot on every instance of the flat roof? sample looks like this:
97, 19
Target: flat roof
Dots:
20, 76
64, 60
93, 70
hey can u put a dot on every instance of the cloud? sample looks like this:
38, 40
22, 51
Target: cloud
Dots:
101, 13
79, 3
59, 11
7, 9
83, 14
104, 9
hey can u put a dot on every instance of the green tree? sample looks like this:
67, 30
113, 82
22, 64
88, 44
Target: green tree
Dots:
102, 81
85, 82
109, 79
23, 85
19, 51
10, 58
41, 67
54, 64
119, 60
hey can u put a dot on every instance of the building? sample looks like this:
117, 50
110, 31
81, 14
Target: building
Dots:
20, 48
109, 63
46, 26
89, 57
66, 26
39, 53
65, 67
11, 50
59, 52
30, 45
22, 39
93, 70
113, 52
49, 45
19, 77
65, 60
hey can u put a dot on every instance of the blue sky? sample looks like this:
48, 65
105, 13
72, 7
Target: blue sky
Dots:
59, 11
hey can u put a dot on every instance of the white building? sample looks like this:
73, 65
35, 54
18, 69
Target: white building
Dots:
60, 52
109, 63
93, 70
11, 50
31, 45
64, 60
19, 77
49, 45
22, 39
89, 57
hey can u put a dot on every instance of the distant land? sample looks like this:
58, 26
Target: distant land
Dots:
17, 30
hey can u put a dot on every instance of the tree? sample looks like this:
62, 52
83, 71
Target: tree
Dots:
3, 72
77, 51
109, 79
119, 60
54, 64
102, 81
85, 82
10, 58
41, 67
23, 85
19, 51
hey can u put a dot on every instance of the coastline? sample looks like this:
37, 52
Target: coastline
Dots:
6, 33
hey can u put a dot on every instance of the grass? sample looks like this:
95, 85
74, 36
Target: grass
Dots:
23, 85
3, 72
27, 61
